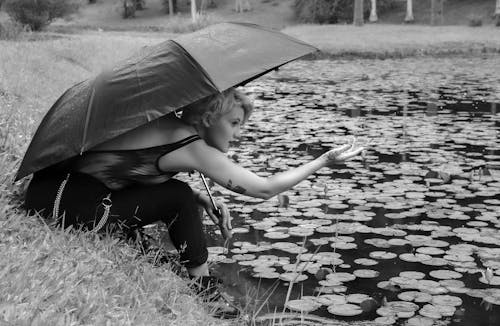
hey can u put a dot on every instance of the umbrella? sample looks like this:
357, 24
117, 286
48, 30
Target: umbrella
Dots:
156, 81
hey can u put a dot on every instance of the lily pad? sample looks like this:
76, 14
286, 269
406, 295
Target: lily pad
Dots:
302, 305
415, 296
347, 309
293, 277
366, 273
445, 274
446, 300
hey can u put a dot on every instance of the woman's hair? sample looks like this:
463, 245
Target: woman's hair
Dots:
214, 106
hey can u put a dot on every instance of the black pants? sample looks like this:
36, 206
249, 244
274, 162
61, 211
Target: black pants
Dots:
82, 204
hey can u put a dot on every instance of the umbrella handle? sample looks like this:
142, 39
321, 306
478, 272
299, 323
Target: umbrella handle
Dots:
226, 233
216, 209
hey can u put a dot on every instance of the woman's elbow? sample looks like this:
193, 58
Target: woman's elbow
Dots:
264, 194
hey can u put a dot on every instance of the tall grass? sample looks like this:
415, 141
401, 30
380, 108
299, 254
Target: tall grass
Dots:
55, 277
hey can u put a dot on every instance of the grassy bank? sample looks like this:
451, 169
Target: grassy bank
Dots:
395, 41
51, 277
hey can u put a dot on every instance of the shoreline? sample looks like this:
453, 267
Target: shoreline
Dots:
374, 41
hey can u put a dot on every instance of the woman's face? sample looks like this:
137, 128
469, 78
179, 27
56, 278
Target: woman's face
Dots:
225, 129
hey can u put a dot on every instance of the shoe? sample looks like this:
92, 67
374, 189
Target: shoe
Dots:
209, 288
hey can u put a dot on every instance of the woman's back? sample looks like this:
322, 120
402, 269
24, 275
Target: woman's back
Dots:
133, 157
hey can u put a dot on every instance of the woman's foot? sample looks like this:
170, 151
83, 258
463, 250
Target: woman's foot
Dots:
209, 288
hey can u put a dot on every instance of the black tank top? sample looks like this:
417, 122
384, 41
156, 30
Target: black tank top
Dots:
118, 169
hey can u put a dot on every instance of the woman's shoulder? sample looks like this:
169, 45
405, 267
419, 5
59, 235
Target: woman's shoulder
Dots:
156, 133
175, 129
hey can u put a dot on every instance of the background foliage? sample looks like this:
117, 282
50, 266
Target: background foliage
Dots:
334, 11
38, 14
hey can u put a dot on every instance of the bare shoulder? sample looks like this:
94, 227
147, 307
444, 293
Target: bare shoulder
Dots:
174, 129
159, 132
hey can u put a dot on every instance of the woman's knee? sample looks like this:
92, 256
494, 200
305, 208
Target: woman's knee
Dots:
182, 190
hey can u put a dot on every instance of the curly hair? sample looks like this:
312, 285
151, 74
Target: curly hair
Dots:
214, 106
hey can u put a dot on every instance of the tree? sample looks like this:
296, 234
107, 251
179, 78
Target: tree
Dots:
358, 12
194, 12
38, 14
437, 9
409, 11
373, 12
128, 8
497, 13
170, 8
242, 5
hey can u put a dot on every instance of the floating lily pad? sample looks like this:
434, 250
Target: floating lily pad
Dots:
293, 277
445, 274
494, 280
357, 298
446, 300
343, 245
331, 299
414, 258
430, 311
430, 251
267, 275
412, 275
302, 305
415, 296
276, 235
385, 320
365, 262
347, 309
366, 273
340, 277
420, 321
382, 255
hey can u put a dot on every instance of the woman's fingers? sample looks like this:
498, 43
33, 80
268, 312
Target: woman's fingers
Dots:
349, 154
227, 217
342, 148
212, 216
225, 221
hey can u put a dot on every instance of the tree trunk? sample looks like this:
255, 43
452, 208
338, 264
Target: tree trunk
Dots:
358, 12
433, 12
441, 12
497, 14
409, 11
194, 12
171, 8
373, 12
238, 7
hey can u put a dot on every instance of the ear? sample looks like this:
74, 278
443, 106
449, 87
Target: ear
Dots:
207, 119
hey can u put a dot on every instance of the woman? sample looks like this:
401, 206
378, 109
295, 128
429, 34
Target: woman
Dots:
127, 181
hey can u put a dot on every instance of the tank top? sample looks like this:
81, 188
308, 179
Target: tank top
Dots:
118, 169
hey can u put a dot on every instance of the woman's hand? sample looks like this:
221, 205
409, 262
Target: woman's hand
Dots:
342, 153
220, 216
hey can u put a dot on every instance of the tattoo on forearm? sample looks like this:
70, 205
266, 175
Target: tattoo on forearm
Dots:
235, 188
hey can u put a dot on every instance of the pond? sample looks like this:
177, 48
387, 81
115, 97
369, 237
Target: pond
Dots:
408, 234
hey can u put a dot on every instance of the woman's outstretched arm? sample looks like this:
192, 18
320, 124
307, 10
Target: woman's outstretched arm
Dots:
230, 175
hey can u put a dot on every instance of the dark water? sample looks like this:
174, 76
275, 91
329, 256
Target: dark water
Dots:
432, 169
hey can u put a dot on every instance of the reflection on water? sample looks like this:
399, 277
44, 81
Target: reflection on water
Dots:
430, 182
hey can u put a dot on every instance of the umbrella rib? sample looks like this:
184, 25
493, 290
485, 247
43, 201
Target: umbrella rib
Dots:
87, 120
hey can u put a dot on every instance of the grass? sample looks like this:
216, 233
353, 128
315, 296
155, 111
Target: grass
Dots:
389, 41
52, 277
